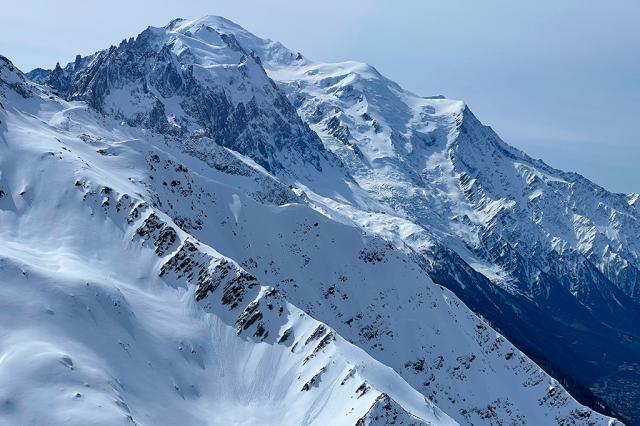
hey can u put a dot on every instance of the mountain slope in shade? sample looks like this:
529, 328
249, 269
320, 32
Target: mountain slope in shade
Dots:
137, 290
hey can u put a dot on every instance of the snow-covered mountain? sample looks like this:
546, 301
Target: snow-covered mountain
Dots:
559, 252
112, 314
200, 226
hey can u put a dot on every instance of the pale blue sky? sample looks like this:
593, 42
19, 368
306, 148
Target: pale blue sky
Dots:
559, 79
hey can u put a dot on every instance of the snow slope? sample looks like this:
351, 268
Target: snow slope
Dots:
138, 289
100, 325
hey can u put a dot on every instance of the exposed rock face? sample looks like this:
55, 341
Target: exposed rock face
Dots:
12, 78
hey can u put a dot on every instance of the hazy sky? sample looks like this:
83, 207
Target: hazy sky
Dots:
559, 79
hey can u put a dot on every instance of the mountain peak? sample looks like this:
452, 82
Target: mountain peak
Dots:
12, 77
197, 77
8, 71
214, 21
192, 28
